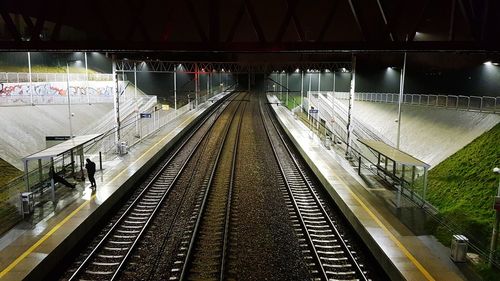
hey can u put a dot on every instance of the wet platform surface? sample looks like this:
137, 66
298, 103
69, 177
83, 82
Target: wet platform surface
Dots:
35, 245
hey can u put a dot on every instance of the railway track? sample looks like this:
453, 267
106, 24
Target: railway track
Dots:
206, 241
328, 255
189, 224
110, 254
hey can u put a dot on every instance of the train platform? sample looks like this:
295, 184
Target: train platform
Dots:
402, 254
30, 251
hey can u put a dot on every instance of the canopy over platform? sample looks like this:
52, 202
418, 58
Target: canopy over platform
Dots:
393, 153
401, 168
62, 148
72, 146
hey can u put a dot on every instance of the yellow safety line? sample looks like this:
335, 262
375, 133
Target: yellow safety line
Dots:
45, 237
407, 253
61, 223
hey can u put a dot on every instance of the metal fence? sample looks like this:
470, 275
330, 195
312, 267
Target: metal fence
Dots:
484, 104
367, 165
23, 77
133, 131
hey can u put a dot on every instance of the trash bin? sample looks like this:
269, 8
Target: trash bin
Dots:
459, 245
123, 148
27, 203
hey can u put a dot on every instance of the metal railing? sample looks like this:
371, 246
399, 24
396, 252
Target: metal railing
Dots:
366, 163
486, 104
23, 77
106, 144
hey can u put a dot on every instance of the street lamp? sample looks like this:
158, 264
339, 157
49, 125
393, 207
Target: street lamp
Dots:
69, 99
494, 235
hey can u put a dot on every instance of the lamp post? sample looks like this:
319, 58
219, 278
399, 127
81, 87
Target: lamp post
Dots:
494, 235
400, 100
69, 98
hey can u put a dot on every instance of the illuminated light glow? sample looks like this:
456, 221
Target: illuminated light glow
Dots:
297, 70
488, 63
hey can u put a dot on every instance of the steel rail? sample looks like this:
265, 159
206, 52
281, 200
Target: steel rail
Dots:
187, 259
360, 272
92, 254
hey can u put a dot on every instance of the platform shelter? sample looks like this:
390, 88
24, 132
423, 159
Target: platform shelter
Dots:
409, 172
59, 153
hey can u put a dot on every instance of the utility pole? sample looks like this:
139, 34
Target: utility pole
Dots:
351, 103
400, 100
116, 103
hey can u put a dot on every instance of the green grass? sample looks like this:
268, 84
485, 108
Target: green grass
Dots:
463, 187
7, 172
43, 69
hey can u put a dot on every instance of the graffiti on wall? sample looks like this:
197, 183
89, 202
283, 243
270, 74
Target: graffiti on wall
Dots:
94, 88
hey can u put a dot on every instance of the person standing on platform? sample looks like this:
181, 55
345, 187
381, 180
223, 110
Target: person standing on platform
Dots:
90, 166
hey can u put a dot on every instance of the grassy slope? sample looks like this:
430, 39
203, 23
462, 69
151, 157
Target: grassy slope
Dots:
463, 186
43, 69
8, 212
7, 172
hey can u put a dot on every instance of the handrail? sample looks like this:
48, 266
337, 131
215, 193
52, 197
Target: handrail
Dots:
485, 104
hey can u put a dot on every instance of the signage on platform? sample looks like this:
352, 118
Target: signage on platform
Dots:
145, 115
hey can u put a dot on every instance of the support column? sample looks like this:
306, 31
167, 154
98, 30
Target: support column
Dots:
69, 101
116, 104
286, 100
26, 175
175, 90
137, 113
309, 95
400, 101
196, 85
31, 84
40, 171
210, 83
220, 80
351, 103
302, 90
425, 184
86, 78
319, 81
80, 152
333, 101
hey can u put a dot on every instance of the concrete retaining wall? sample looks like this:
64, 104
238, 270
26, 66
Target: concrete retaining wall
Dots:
429, 134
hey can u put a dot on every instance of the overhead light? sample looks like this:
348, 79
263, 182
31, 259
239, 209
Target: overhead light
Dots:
297, 70
488, 63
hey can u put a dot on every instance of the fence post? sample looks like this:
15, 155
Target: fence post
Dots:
359, 167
